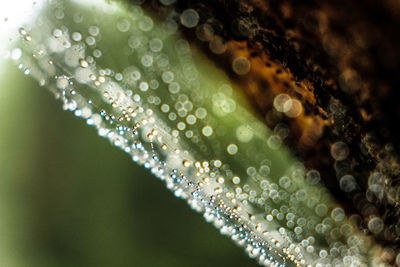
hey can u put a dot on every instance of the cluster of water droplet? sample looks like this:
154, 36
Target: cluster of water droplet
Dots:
378, 190
142, 87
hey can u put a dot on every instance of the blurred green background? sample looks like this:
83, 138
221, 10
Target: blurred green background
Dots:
68, 198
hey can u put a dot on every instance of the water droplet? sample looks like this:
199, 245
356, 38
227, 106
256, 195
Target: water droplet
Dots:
156, 45
83, 63
339, 150
375, 225
241, 65
337, 214
76, 36
244, 134
123, 25
201, 113
167, 76
347, 183
57, 32
62, 83
217, 45
146, 24
97, 53
174, 87
147, 60
274, 142
280, 101
205, 32
236, 180
22, 31
191, 119
94, 30
189, 18
232, 149
16, 54
321, 210
207, 131
313, 177
292, 108
90, 40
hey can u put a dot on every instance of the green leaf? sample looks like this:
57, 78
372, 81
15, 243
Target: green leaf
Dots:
171, 110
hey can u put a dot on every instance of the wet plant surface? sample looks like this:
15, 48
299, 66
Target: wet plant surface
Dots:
262, 119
